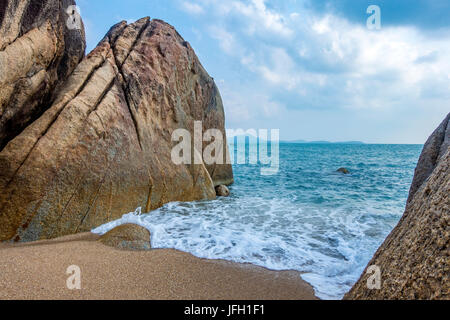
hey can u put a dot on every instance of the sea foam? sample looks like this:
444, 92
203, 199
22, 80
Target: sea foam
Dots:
308, 218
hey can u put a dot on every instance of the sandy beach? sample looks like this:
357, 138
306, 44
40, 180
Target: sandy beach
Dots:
37, 270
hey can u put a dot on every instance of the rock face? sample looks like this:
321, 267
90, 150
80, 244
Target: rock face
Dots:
104, 146
37, 52
127, 236
414, 260
433, 150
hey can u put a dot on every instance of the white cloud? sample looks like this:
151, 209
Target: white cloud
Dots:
240, 107
261, 19
193, 8
360, 68
279, 71
225, 39
305, 60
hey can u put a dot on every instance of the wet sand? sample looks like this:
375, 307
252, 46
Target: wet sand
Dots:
37, 270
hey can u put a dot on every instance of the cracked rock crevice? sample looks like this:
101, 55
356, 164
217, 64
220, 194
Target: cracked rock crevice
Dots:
103, 146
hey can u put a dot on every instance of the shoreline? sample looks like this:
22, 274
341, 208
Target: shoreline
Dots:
37, 270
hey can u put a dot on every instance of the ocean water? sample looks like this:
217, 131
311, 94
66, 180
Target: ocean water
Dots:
308, 217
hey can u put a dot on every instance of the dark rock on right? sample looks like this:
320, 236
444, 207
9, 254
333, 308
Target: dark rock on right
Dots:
414, 260
433, 150
222, 191
343, 170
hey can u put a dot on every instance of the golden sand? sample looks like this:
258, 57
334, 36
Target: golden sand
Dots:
37, 270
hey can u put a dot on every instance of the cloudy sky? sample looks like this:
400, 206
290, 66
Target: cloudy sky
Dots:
312, 68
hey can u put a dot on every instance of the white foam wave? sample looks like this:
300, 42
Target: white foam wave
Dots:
331, 246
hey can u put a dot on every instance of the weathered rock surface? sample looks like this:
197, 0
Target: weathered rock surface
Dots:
127, 236
414, 260
222, 191
433, 150
104, 146
37, 52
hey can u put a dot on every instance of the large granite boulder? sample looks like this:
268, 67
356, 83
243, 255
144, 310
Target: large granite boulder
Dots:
38, 51
104, 146
414, 260
433, 151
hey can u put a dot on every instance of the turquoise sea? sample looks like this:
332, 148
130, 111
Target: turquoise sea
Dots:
308, 217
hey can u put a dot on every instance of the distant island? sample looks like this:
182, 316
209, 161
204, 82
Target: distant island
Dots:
322, 142
251, 138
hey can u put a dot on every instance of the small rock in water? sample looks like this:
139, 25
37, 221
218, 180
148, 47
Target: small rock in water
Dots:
343, 170
222, 191
127, 236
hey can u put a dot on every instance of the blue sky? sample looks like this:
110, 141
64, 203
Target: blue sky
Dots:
312, 68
